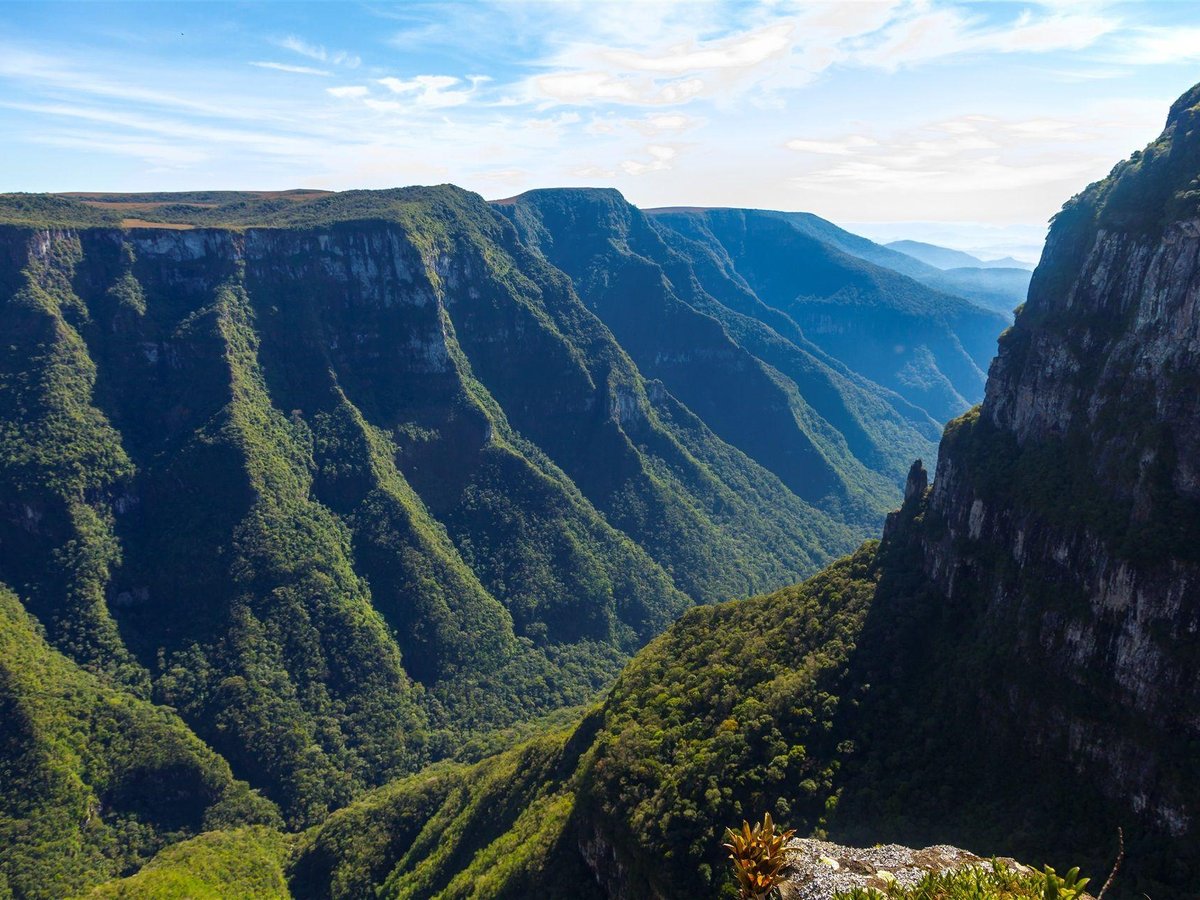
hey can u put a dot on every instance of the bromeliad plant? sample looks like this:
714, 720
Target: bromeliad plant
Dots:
757, 856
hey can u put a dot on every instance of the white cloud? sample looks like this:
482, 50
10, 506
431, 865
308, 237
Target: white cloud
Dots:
285, 67
653, 125
664, 123
941, 33
660, 159
1158, 46
986, 162
592, 87
593, 172
738, 52
388, 106
839, 147
354, 91
434, 91
319, 53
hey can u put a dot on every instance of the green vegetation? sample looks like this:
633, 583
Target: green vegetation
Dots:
495, 829
93, 781
58, 456
350, 496
758, 857
52, 211
993, 882
727, 715
1155, 186
240, 864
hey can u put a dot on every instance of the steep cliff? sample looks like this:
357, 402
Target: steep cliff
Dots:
1094, 399
1052, 572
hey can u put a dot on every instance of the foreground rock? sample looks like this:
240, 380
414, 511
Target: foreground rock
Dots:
818, 869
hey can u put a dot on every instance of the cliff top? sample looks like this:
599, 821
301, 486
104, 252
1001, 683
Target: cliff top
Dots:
221, 209
1156, 185
820, 870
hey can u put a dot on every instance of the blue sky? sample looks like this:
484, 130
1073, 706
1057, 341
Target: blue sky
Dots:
974, 119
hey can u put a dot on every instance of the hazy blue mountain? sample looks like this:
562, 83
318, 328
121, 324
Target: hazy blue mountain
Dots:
946, 258
1000, 285
930, 347
999, 289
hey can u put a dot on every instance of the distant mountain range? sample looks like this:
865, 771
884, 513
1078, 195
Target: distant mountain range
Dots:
945, 258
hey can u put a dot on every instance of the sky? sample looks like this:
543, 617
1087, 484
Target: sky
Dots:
965, 123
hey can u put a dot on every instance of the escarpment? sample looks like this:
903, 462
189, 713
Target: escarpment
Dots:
1042, 605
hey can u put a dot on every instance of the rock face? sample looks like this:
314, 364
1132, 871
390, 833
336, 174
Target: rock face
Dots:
817, 870
1063, 525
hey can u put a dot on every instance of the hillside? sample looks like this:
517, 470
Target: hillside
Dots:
95, 780
816, 423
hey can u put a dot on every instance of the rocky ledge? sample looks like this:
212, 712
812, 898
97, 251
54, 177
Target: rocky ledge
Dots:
818, 869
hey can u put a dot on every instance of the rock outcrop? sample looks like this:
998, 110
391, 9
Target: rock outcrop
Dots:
816, 870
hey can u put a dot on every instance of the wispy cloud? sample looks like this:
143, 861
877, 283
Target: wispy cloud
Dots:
994, 161
1152, 46
939, 34
741, 51
319, 53
660, 158
434, 91
295, 70
840, 147
584, 88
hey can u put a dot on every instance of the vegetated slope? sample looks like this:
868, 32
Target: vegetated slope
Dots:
238, 864
726, 715
747, 372
929, 347
1000, 288
349, 480
96, 780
